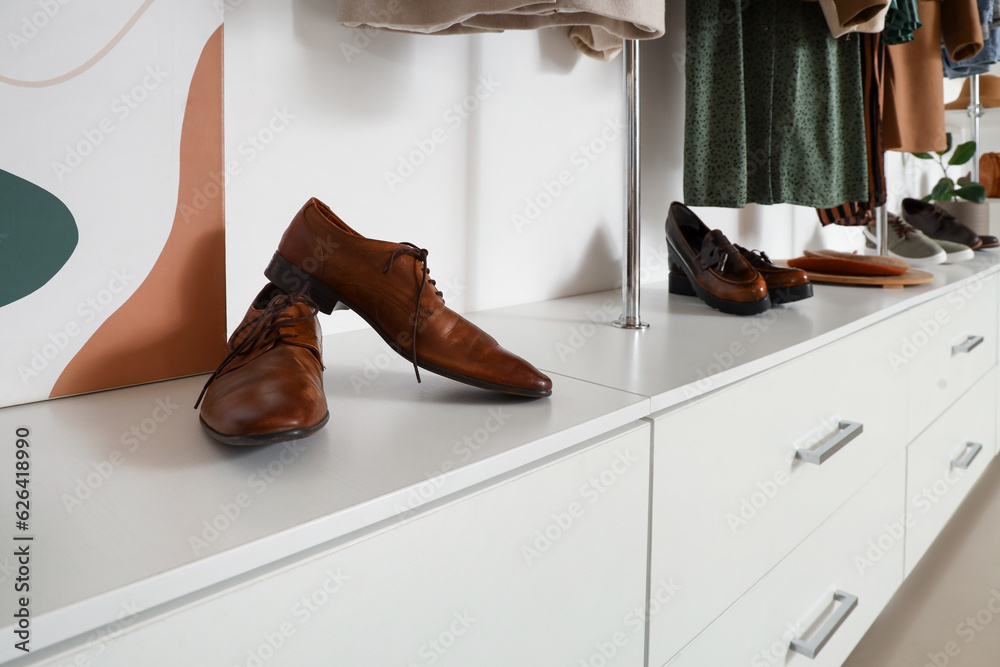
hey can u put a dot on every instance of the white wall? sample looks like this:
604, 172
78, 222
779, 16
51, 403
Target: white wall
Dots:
355, 115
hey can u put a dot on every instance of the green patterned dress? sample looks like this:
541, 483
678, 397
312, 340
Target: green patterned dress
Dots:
775, 112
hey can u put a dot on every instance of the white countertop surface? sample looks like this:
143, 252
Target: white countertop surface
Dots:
124, 494
689, 348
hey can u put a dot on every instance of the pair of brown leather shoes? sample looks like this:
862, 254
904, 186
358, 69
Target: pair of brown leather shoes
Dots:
270, 387
727, 277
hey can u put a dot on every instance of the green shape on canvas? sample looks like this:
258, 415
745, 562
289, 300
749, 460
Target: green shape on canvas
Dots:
38, 234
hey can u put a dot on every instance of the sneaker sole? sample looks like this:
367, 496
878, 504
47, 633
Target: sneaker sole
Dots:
960, 256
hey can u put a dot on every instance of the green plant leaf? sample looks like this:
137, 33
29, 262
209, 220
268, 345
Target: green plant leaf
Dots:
963, 153
923, 156
973, 192
942, 191
949, 145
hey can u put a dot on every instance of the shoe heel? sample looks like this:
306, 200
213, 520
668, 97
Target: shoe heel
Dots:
291, 279
677, 281
679, 284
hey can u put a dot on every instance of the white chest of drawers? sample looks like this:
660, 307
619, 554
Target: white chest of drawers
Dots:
695, 494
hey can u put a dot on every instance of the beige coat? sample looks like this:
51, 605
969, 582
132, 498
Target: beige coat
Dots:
602, 24
913, 117
846, 16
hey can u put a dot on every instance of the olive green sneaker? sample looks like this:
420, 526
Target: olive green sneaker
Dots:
908, 243
956, 252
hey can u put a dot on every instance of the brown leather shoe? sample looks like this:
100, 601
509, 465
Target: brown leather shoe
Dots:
387, 284
938, 224
784, 285
270, 387
988, 242
705, 264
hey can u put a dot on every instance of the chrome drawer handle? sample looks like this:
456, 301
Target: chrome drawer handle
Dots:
812, 648
972, 451
971, 343
848, 431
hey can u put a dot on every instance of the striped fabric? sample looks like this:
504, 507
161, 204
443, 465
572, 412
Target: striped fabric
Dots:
872, 69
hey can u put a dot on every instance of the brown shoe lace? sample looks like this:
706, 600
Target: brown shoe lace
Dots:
758, 255
421, 255
265, 329
902, 227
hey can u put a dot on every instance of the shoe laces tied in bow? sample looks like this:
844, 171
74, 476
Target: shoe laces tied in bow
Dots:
265, 329
408, 249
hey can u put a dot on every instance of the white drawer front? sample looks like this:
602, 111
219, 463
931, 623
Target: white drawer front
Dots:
730, 499
858, 551
937, 349
936, 483
548, 568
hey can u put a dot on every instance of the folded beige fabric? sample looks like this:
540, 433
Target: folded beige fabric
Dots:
595, 42
607, 19
847, 16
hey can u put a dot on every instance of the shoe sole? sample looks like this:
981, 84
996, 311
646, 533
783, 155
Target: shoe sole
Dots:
682, 284
960, 256
264, 438
290, 277
679, 284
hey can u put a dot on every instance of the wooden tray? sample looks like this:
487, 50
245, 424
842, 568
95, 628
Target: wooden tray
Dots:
911, 277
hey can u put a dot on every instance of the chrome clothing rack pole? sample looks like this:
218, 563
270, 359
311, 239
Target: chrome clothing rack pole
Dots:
975, 113
882, 230
630, 318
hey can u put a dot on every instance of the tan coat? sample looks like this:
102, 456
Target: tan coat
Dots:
913, 118
845, 16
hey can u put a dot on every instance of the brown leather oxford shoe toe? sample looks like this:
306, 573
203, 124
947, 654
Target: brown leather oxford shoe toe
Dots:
270, 387
388, 285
